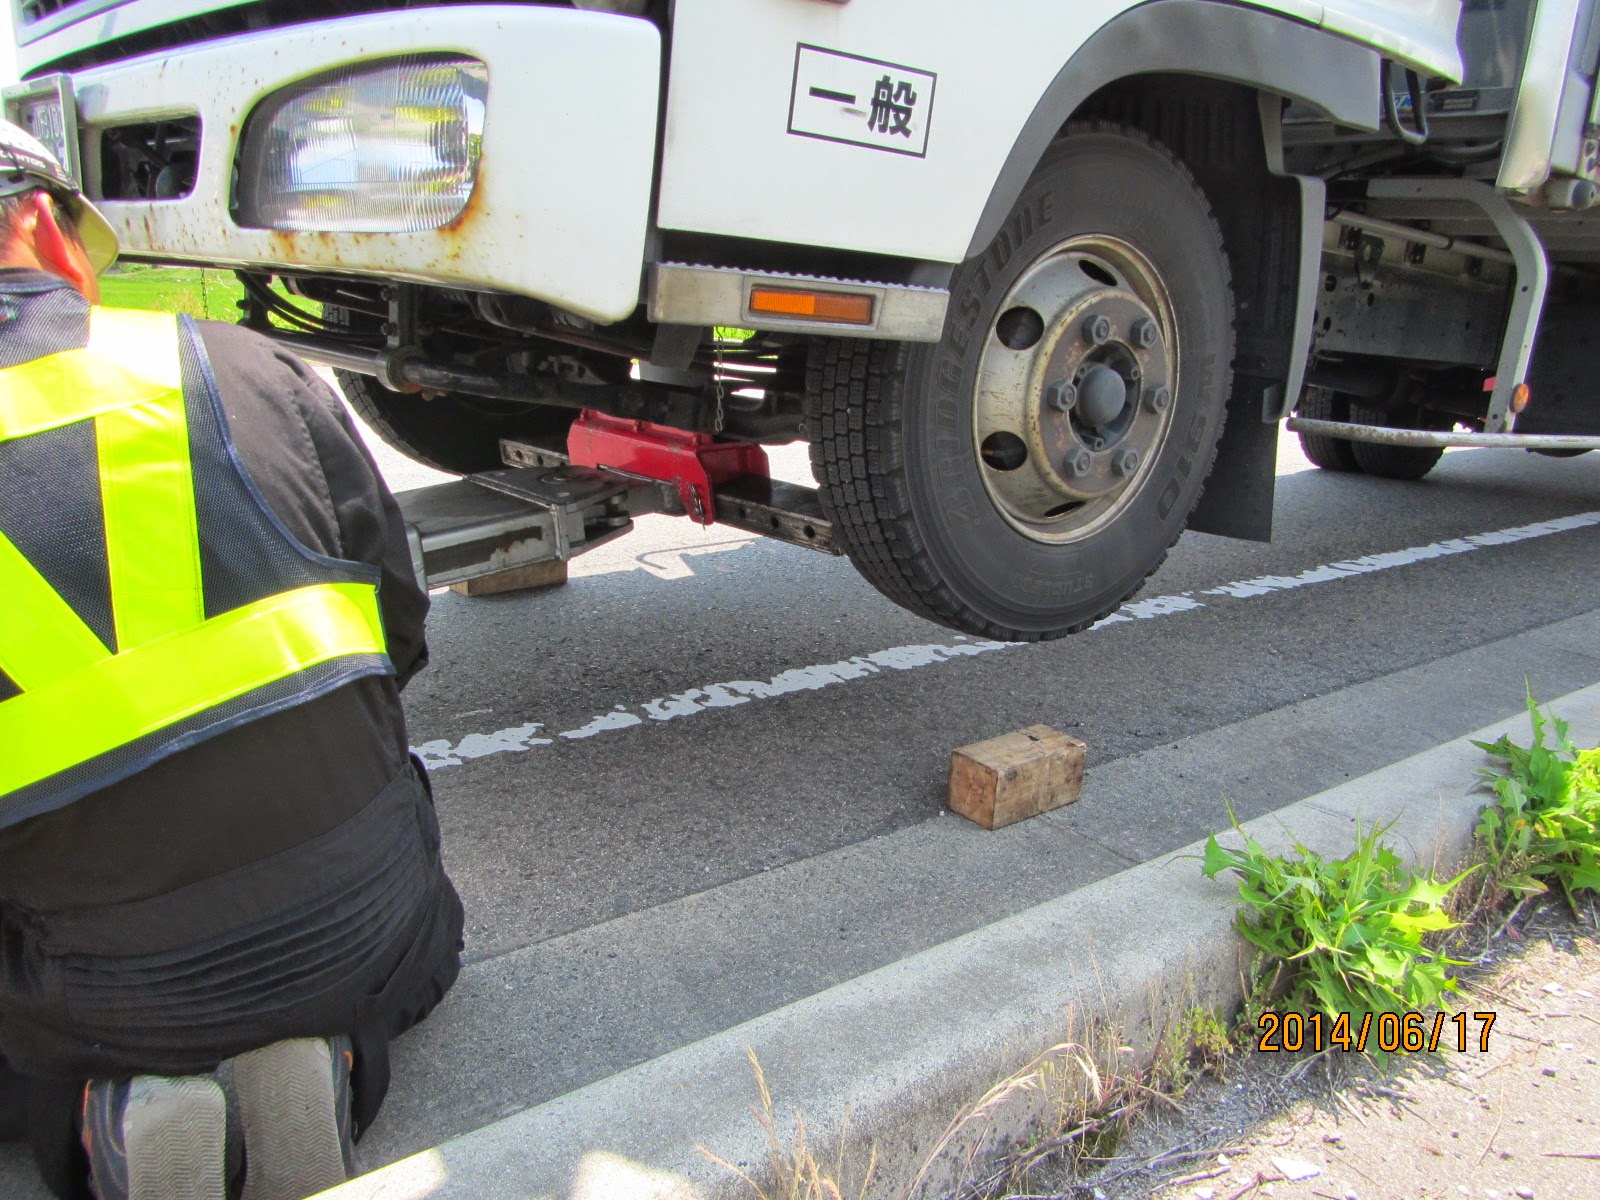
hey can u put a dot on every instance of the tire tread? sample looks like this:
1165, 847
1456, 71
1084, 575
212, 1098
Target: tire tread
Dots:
1392, 462
1329, 453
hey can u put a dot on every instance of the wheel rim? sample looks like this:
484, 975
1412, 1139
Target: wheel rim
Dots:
1074, 393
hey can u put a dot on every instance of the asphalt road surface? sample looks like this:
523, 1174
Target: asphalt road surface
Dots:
706, 777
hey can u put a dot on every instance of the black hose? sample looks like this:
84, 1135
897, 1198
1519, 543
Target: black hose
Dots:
263, 295
1465, 156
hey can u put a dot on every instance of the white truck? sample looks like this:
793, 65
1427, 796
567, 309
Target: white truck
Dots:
1038, 281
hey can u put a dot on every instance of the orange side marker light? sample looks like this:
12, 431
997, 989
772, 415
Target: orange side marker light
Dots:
838, 308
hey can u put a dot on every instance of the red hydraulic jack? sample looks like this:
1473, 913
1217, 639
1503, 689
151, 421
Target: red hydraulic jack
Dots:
695, 463
533, 511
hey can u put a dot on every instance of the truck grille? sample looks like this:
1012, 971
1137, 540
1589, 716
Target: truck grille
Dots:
38, 10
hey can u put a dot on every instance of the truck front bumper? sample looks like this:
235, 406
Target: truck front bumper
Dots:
562, 200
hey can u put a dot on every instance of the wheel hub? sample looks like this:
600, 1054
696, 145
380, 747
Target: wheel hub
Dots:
1105, 395
1073, 395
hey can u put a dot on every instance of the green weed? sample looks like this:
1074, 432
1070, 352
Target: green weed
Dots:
1544, 823
1351, 931
1195, 1045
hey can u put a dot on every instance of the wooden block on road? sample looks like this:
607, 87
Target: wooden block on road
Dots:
1017, 775
534, 575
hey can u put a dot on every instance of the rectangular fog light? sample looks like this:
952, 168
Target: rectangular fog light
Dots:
388, 147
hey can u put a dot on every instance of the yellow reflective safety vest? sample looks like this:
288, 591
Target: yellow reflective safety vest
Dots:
149, 598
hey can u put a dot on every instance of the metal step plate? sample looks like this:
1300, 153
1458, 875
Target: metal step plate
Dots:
500, 520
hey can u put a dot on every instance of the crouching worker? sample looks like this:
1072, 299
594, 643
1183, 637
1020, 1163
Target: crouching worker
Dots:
220, 886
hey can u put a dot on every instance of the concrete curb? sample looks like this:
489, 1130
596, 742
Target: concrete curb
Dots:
887, 1059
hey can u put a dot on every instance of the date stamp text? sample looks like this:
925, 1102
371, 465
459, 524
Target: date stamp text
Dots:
1403, 1033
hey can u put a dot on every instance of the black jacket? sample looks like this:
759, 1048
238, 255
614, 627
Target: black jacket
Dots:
280, 879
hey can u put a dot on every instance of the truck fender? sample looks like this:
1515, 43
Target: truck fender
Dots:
1192, 37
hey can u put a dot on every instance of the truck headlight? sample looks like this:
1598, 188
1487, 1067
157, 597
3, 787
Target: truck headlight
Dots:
389, 147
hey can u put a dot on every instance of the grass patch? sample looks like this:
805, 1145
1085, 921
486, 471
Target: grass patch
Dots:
1076, 1097
792, 1167
199, 291
205, 293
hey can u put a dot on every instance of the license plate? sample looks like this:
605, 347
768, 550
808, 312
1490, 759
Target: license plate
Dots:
45, 108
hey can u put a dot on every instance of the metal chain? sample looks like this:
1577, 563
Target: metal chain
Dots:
716, 378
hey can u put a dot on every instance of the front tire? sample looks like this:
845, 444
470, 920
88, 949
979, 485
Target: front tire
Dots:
1022, 478
452, 432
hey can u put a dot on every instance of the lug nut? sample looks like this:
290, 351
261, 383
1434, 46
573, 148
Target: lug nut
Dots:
1158, 399
1097, 329
1145, 333
1061, 395
1078, 462
1126, 463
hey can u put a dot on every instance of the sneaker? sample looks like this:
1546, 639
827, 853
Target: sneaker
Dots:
294, 1103
156, 1138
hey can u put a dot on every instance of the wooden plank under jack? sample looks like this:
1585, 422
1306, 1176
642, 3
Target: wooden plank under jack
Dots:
1016, 775
550, 573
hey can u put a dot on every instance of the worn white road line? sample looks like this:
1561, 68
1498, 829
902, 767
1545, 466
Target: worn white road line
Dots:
442, 752
668, 562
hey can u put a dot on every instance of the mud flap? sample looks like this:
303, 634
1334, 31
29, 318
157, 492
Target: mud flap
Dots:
1237, 502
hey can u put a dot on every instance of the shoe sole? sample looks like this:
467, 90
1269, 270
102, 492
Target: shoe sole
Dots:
175, 1132
289, 1109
